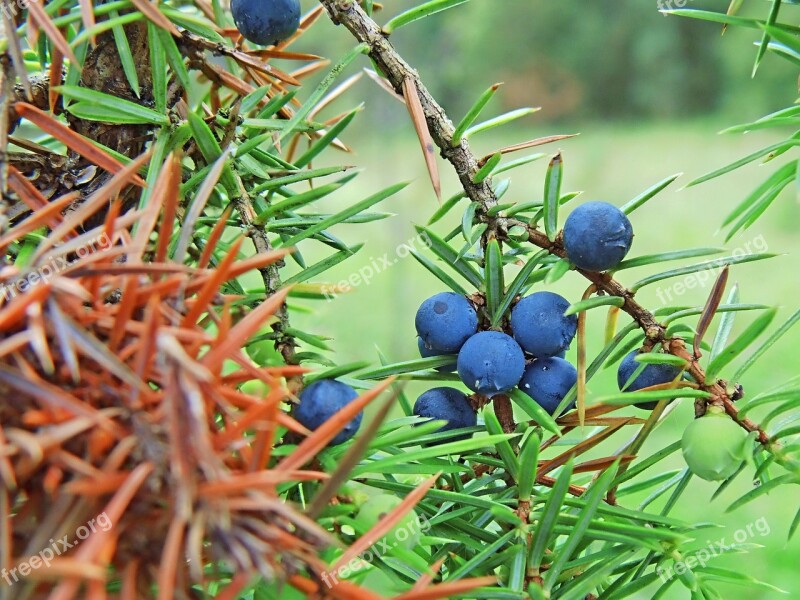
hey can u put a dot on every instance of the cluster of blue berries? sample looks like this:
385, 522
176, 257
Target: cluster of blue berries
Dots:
528, 354
596, 237
494, 362
266, 22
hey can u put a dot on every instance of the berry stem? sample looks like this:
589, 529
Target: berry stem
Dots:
504, 412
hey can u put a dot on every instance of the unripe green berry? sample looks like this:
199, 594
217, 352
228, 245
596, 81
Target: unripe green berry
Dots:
713, 445
263, 352
255, 387
405, 533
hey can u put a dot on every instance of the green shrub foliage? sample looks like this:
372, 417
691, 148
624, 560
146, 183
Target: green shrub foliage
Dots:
552, 497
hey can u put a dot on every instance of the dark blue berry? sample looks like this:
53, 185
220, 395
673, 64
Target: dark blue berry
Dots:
426, 352
321, 400
490, 363
446, 404
445, 321
652, 374
547, 381
539, 324
266, 22
597, 236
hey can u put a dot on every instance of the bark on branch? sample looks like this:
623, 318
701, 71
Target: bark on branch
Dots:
349, 14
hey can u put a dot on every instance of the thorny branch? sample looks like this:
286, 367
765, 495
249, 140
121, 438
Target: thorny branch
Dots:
270, 274
349, 14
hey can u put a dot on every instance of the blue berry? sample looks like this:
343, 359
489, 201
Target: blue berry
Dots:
597, 236
321, 400
653, 374
266, 22
547, 381
539, 324
426, 352
447, 404
490, 363
445, 321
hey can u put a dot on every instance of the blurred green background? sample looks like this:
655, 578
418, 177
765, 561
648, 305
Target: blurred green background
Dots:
647, 94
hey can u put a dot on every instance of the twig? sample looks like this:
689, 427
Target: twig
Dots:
349, 14
480, 470
365, 30
270, 275
575, 490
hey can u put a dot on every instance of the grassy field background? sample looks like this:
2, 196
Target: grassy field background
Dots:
612, 162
